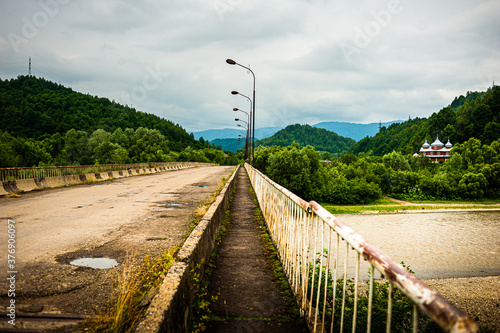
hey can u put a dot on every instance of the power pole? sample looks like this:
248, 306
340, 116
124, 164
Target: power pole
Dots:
29, 71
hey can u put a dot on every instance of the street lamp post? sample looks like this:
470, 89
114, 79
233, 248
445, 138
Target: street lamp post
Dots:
232, 62
246, 134
249, 117
249, 129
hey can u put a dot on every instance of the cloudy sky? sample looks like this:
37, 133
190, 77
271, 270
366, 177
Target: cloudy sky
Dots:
314, 60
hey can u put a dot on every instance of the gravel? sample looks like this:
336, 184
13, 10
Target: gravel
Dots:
477, 296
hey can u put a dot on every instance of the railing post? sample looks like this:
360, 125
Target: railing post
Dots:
291, 221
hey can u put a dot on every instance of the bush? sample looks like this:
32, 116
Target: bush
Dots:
402, 311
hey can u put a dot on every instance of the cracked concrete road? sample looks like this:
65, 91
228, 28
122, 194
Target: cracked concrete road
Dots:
57, 221
141, 214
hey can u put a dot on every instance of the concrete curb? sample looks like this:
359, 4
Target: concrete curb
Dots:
171, 308
27, 185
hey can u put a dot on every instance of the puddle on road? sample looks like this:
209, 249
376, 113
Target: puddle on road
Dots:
97, 263
166, 206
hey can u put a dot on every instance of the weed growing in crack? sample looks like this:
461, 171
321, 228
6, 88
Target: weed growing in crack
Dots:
202, 301
204, 206
277, 268
137, 283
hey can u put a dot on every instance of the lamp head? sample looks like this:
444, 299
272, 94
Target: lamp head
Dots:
235, 109
234, 92
231, 61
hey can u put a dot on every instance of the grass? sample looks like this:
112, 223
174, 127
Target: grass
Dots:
388, 205
201, 304
203, 207
138, 281
333, 301
277, 268
12, 195
135, 282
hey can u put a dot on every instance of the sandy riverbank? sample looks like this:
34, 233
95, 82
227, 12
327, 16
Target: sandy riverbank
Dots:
477, 296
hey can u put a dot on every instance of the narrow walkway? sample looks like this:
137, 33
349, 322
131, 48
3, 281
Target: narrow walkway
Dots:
249, 296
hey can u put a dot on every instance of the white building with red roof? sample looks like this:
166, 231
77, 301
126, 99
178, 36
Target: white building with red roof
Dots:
437, 151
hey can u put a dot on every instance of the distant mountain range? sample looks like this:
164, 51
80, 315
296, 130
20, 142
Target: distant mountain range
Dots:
232, 133
475, 115
354, 131
229, 144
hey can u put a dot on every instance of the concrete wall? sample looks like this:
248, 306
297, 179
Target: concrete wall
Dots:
26, 185
171, 308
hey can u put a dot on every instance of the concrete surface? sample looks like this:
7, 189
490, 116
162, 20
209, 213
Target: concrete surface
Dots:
128, 217
249, 297
171, 308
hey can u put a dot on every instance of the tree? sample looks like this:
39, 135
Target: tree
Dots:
101, 147
472, 185
396, 161
491, 132
76, 146
470, 151
292, 169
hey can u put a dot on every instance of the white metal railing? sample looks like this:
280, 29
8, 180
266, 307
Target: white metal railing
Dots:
54, 171
316, 251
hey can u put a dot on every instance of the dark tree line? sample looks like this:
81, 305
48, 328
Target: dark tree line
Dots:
44, 123
475, 116
473, 172
102, 147
35, 108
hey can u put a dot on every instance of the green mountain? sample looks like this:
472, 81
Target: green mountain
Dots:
43, 123
319, 138
476, 115
33, 107
354, 130
229, 144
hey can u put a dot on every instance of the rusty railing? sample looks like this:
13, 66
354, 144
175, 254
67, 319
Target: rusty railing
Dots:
316, 250
55, 171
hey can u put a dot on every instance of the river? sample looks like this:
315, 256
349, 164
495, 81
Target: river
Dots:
435, 244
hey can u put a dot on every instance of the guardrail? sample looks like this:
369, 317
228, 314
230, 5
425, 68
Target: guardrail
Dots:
310, 241
7, 174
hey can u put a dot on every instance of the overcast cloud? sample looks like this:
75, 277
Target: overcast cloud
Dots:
314, 60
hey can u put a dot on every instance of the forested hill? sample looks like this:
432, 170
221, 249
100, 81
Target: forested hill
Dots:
319, 138
476, 115
33, 107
